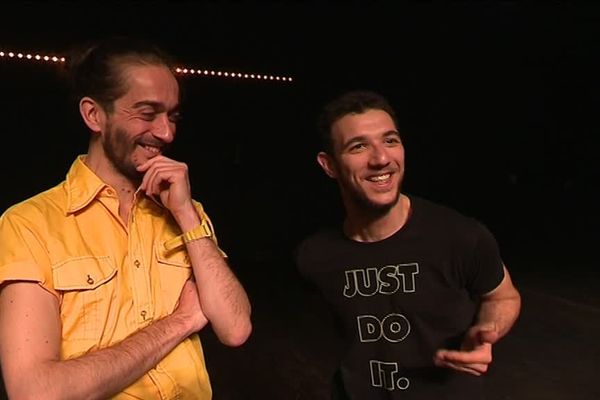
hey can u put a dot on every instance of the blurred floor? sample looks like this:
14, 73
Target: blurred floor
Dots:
552, 353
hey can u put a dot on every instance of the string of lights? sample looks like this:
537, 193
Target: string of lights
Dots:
206, 72
29, 56
181, 70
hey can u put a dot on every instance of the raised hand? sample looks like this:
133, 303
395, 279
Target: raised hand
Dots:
168, 180
475, 354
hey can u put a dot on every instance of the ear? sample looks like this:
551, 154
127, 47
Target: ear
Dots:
92, 113
327, 163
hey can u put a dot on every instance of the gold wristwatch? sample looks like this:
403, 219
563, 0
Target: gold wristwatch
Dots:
204, 230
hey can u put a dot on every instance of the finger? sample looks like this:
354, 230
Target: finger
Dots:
149, 162
482, 355
154, 163
149, 181
160, 180
473, 369
147, 167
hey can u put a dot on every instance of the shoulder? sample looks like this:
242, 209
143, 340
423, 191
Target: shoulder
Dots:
446, 220
431, 209
317, 245
318, 240
39, 206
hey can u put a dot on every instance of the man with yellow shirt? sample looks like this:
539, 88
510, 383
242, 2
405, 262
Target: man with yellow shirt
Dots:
106, 278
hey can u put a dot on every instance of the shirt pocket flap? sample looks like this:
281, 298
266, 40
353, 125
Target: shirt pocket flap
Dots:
83, 273
177, 257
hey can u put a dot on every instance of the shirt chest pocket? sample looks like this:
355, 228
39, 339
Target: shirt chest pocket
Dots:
88, 287
175, 269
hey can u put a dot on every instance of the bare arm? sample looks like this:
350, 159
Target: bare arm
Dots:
223, 299
30, 342
500, 307
498, 311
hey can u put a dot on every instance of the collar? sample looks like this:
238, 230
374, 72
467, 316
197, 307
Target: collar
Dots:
82, 185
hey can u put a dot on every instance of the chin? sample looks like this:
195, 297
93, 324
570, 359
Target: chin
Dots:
382, 203
130, 171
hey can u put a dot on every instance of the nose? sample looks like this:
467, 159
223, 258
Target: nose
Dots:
379, 156
164, 128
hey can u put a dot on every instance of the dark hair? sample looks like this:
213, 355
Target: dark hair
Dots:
96, 70
354, 102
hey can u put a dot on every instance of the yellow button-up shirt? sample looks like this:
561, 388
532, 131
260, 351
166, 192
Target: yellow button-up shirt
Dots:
110, 278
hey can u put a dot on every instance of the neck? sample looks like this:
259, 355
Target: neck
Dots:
96, 160
363, 227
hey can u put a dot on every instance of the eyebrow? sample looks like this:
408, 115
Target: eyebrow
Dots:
391, 133
360, 138
157, 106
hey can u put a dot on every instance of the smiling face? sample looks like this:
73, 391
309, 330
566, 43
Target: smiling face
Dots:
367, 161
143, 121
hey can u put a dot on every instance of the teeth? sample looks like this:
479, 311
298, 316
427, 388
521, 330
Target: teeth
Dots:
379, 178
152, 149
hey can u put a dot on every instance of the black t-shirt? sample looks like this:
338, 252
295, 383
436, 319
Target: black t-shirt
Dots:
400, 299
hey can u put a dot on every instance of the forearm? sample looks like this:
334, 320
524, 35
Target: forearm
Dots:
502, 311
103, 373
498, 311
223, 299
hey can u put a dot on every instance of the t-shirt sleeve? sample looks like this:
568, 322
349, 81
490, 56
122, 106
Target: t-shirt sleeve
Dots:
306, 257
23, 255
486, 268
302, 256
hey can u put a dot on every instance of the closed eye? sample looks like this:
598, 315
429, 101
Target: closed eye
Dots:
175, 117
148, 116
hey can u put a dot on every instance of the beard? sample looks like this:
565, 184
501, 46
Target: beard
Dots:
362, 201
118, 148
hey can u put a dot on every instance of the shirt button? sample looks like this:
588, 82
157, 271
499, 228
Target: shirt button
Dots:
143, 314
90, 280
136, 263
110, 191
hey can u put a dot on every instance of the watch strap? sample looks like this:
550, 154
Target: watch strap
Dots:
199, 232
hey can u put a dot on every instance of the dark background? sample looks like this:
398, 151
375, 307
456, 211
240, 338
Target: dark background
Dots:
497, 102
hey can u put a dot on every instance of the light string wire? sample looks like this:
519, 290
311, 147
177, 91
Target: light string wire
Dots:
180, 70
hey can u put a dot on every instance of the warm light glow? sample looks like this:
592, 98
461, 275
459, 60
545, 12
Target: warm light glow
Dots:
30, 57
227, 74
21, 56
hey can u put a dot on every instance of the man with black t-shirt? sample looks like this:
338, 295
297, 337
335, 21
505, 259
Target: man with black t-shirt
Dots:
420, 291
